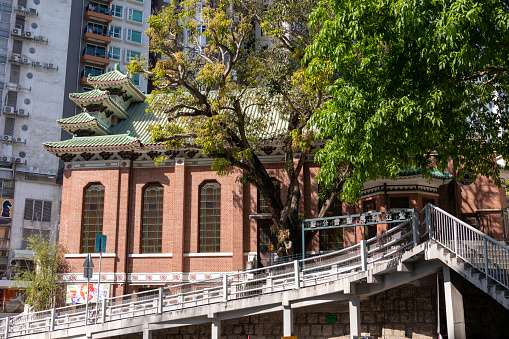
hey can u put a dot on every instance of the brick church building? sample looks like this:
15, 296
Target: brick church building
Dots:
180, 222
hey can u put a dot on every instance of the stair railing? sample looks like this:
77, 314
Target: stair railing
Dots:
481, 251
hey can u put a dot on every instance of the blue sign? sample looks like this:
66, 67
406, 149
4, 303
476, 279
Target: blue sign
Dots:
100, 243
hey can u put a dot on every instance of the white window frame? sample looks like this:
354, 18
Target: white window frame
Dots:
119, 32
129, 36
128, 56
130, 14
110, 53
121, 11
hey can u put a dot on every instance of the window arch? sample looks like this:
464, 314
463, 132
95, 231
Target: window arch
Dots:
152, 219
210, 217
92, 223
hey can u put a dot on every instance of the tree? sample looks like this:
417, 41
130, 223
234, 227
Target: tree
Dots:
40, 281
213, 71
419, 83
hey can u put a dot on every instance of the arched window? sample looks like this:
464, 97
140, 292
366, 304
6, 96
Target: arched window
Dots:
152, 219
92, 223
210, 217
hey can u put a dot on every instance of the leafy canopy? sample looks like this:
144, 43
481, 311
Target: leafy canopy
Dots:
222, 60
418, 83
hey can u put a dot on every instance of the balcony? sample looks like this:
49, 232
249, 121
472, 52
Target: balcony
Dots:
96, 35
92, 72
98, 12
95, 55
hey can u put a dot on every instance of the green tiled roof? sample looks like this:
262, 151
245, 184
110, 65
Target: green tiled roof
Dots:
82, 121
82, 98
106, 141
95, 93
117, 77
112, 76
81, 118
434, 173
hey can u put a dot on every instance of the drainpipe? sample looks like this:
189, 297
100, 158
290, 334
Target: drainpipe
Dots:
127, 233
454, 178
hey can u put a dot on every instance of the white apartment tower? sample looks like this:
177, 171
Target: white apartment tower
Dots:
33, 58
48, 48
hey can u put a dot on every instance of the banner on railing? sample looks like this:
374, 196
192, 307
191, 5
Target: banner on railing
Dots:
77, 294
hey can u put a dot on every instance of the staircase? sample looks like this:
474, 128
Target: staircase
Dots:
415, 246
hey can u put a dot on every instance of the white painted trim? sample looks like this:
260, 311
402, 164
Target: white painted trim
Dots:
94, 255
218, 254
151, 255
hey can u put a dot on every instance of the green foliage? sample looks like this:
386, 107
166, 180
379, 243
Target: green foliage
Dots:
214, 74
42, 288
415, 84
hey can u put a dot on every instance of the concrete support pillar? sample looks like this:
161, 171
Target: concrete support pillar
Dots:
216, 328
454, 304
147, 334
354, 304
287, 321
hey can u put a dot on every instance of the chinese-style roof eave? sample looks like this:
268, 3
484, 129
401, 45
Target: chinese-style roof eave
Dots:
98, 96
83, 121
94, 143
116, 78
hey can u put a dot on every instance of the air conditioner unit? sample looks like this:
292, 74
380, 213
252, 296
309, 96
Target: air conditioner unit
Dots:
32, 11
13, 58
20, 8
24, 60
15, 31
28, 34
17, 139
37, 64
21, 111
5, 159
18, 160
52, 66
41, 38
9, 109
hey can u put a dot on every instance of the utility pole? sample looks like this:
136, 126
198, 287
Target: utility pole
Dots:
100, 246
88, 271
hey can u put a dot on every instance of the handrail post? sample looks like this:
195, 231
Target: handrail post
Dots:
103, 311
415, 228
427, 213
6, 333
485, 256
364, 255
455, 234
297, 273
160, 300
52, 320
225, 287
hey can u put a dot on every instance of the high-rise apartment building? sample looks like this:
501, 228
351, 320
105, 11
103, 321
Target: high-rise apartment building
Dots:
33, 58
47, 50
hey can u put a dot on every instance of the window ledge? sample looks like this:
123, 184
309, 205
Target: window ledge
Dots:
134, 22
209, 254
151, 255
94, 255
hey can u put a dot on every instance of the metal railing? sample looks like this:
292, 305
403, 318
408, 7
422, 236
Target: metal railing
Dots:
479, 250
505, 223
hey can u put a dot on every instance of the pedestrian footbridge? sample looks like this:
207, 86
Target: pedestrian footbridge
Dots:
418, 244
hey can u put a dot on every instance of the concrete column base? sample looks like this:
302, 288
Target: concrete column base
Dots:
216, 329
354, 305
287, 321
454, 304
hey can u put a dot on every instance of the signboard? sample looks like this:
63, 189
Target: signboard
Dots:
77, 294
100, 243
6, 208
